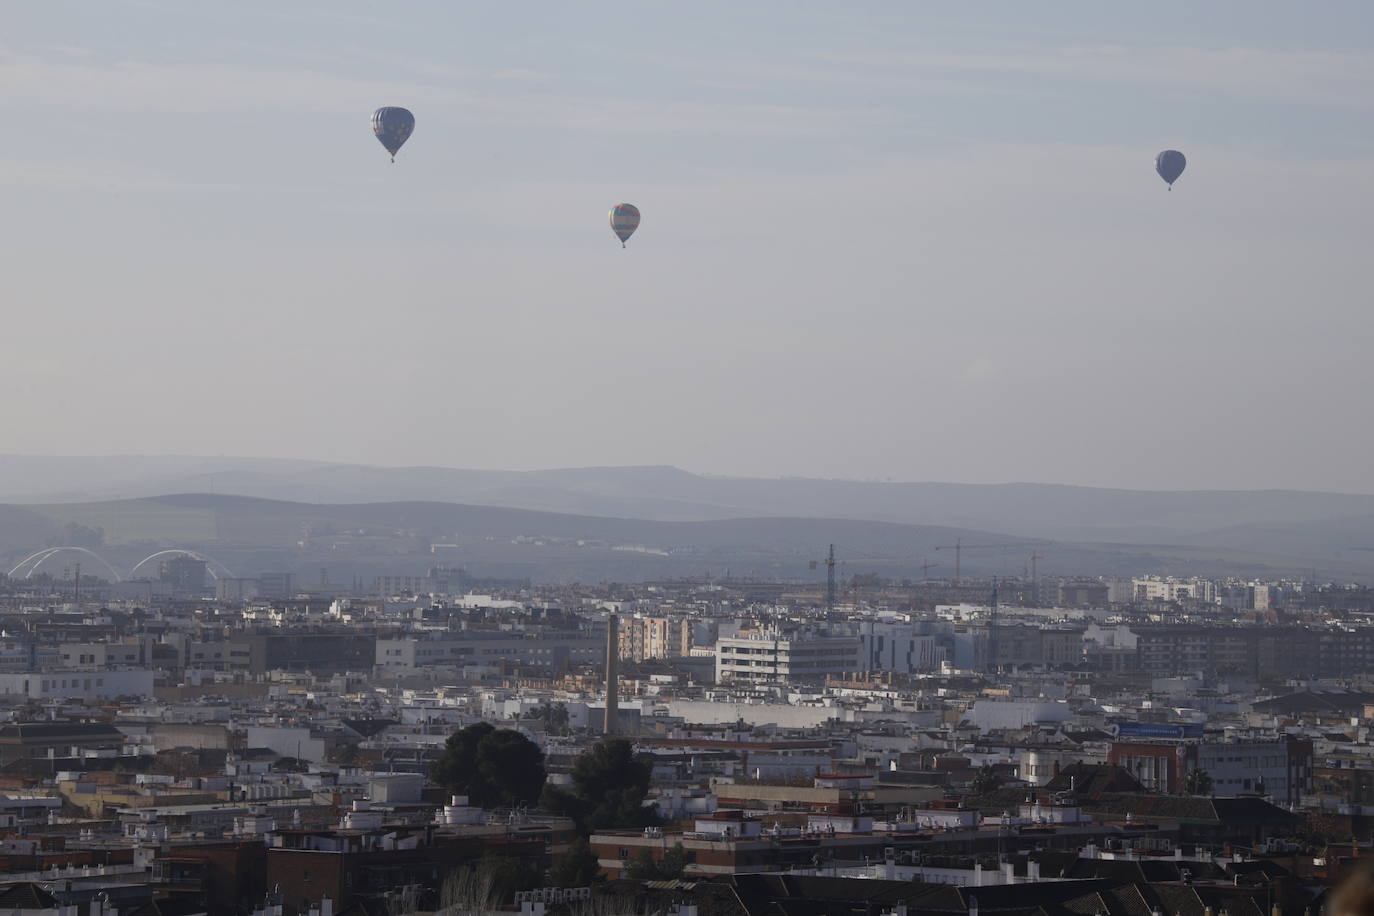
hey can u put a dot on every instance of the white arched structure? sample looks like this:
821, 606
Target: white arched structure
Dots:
29, 565
210, 562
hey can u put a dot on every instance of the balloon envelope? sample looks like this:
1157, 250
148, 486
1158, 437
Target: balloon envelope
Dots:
624, 221
1170, 164
393, 127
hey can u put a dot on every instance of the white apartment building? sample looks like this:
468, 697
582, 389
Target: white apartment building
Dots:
784, 658
73, 684
1156, 589
1282, 770
105, 654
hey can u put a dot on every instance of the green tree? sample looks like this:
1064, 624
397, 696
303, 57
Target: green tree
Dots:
491, 766
609, 785
553, 715
509, 876
643, 867
984, 781
576, 867
290, 765
1197, 782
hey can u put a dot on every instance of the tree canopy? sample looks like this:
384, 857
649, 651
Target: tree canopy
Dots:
985, 780
609, 785
491, 766
643, 867
1197, 782
576, 867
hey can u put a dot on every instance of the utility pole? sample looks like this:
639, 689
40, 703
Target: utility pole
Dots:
830, 581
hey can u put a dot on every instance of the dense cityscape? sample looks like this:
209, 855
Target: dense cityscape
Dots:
629, 458
240, 745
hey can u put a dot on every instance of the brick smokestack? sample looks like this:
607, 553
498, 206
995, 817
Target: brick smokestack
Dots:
612, 673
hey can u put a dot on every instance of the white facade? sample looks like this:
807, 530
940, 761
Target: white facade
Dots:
786, 659
990, 714
288, 742
1247, 766
68, 683
1153, 589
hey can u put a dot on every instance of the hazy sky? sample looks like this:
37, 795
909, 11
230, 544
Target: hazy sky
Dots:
910, 240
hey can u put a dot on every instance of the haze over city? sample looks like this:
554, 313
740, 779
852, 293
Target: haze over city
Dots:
692, 459
904, 242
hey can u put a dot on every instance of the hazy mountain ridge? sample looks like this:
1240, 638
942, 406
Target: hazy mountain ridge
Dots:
252, 533
1311, 527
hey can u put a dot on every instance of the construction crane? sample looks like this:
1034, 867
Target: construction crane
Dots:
829, 578
959, 547
926, 568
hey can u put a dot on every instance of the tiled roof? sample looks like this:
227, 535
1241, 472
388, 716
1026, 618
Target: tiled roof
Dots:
26, 896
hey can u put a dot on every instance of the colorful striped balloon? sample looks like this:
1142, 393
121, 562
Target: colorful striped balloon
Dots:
624, 221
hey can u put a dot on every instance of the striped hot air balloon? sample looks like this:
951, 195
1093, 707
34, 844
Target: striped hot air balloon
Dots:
624, 221
393, 127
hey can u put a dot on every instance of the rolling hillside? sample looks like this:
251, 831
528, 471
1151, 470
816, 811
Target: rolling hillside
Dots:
254, 534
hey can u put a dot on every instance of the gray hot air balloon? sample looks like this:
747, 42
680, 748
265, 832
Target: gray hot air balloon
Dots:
1170, 164
393, 127
624, 221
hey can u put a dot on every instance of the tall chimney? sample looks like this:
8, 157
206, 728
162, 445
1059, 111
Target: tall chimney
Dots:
612, 666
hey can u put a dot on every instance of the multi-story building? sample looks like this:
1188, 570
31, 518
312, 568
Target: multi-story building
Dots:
128, 651
1253, 651
1281, 770
1202, 591
899, 648
780, 658
26, 740
643, 638
275, 585
227, 589
1086, 593
318, 652
1161, 756
185, 574
556, 653
77, 684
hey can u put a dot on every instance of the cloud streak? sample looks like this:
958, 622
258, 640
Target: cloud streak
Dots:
142, 87
1325, 78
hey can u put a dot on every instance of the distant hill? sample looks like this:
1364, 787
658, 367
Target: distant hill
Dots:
251, 534
1318, 525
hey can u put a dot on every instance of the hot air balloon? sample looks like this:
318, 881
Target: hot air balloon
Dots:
624, 221
393, 127
1169, 164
